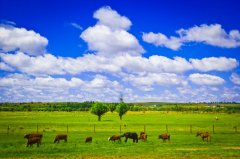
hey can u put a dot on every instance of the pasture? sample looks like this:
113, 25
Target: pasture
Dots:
182, 127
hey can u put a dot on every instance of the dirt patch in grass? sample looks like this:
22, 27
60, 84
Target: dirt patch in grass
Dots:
234, 148
192, 149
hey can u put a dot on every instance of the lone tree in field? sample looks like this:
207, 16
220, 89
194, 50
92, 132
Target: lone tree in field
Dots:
99, 109
122, 109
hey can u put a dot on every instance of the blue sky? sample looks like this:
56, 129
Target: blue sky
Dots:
170, 51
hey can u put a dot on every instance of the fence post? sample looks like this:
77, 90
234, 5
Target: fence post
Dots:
144, 128
167, 128
235, 127
191, 129
94, 128
213, 128
37, 128
8, 128
67, 128
120, 129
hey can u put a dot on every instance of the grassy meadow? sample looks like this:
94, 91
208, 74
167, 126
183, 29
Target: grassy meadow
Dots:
182, 127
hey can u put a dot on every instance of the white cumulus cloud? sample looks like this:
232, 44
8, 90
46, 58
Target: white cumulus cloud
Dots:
5, 67
146, 81
19, 87
212, 34
214, 63
28, 41
109, 17
159, 39
206, 79
235, 78
109, 37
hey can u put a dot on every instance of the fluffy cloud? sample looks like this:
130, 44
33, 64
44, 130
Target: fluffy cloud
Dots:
18, 87
230, 94
212, 34
146, 81
109, 42
109, 36
5, 67
46, 64
214, 63
49, 64
235, 78
162, 40
206, 79
154, 64
28, 41
108, 17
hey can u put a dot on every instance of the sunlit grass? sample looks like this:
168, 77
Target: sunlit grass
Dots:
184, 144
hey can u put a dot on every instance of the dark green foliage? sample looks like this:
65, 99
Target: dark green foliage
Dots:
99, 109
122, 109
112, 107
40, 106
151, 106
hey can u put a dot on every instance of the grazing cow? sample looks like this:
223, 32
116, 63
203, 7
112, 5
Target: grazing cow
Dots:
88, 139
143, 136
164, 137
32, 135
34, 140
60, 137
131, 135
115, 137
204, 135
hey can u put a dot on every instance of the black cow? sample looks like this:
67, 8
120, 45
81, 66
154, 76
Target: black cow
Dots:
131, 135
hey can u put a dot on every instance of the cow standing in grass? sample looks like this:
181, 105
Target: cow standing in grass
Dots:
33, 138
115, 137
131, 135
204, 135
60, 137
164, 137
88, 139
143, 136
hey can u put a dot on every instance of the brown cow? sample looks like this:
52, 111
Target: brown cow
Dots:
60, 137
143, 136
32, 135
204, 135
164, 137
115, 137
88, 139
34, 140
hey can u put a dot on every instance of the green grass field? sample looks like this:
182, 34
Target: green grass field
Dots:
225, 141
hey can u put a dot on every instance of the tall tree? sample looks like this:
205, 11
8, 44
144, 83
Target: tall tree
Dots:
99, 109
122, 109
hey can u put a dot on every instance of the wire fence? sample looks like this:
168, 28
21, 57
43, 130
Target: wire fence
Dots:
95, 128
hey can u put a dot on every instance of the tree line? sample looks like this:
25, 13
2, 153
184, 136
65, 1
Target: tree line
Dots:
87, 105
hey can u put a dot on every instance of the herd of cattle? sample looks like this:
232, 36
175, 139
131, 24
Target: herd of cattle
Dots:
35, 138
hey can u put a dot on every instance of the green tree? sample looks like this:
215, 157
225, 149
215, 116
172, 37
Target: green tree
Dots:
99, 109
112, 106
122, 109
